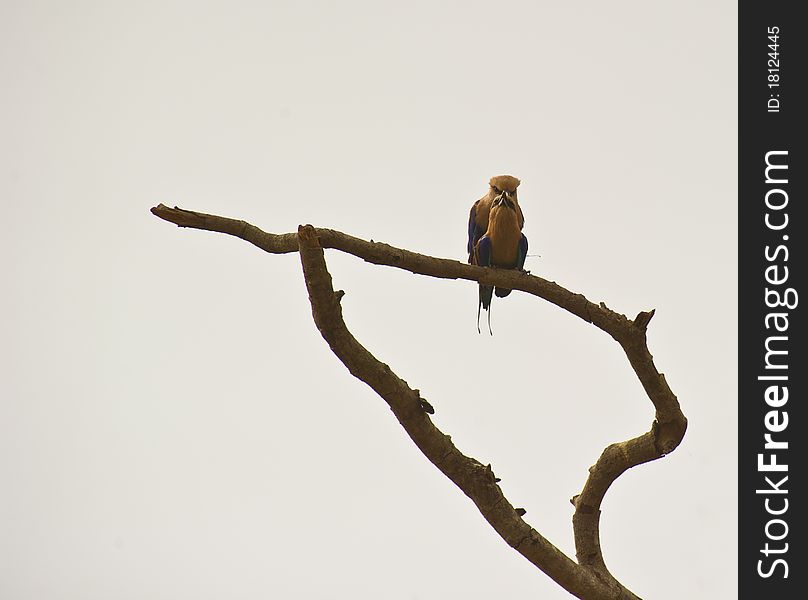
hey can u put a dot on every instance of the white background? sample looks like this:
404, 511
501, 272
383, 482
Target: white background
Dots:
171, 423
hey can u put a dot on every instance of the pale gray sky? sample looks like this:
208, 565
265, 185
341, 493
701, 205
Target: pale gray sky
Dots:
171, 423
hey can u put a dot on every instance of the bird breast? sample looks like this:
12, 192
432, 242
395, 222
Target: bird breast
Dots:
504, 231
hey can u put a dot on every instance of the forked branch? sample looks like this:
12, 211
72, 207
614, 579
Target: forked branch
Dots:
589, 577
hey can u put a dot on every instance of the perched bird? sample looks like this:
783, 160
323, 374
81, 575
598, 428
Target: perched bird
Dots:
495, 235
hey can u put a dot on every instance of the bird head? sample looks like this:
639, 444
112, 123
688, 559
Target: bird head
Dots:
503, 191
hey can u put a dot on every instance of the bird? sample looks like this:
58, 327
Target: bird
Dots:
495, 235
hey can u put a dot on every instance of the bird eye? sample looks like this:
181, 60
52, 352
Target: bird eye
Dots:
496, 189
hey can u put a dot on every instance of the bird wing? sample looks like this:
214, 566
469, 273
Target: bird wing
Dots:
482, 257
482, 252
521, 216
472, 231
520, 261
478, 223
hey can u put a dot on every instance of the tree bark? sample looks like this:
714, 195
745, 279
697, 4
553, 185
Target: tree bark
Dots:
589, 578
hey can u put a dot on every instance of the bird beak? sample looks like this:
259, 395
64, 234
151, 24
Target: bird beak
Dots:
503, 198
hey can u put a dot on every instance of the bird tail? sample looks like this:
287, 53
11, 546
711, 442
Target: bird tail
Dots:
501, 292
485, 302
485, 296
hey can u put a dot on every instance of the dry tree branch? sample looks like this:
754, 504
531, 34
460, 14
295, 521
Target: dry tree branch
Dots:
589, 578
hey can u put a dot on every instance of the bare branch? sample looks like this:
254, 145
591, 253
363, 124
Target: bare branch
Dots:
383, 254
588, 579
475, 479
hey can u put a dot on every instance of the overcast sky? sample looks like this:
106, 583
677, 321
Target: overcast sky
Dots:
173, 426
